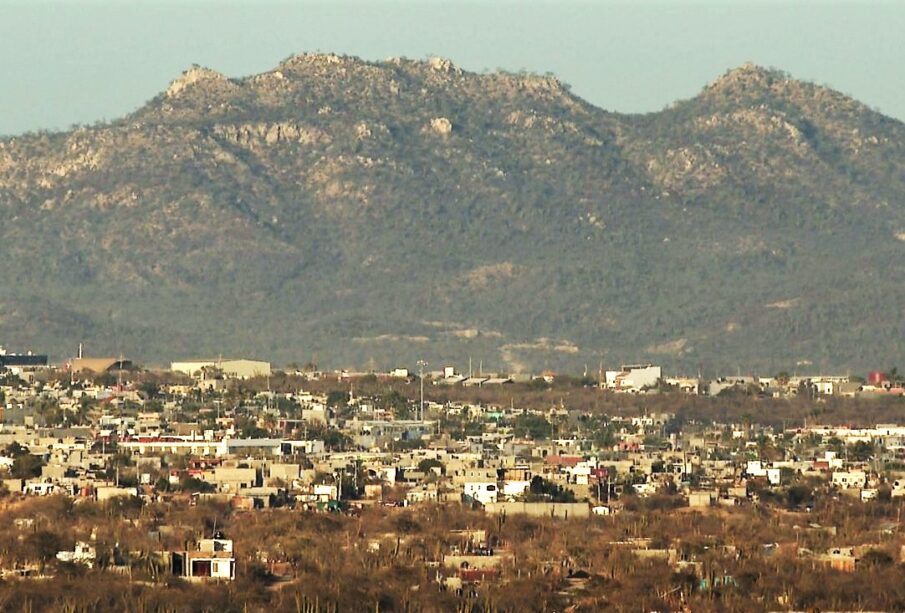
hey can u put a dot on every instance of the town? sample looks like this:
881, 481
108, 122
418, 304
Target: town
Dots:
229, 484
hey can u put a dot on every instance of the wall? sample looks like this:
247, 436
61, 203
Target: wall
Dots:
541, 509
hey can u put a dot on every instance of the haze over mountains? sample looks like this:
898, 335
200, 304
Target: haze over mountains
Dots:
371, 214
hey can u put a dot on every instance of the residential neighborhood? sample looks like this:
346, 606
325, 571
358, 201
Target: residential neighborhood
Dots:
235, 440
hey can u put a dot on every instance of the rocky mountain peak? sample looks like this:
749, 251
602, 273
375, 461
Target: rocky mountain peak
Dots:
195, 74
443, 65
320, 60
746, 79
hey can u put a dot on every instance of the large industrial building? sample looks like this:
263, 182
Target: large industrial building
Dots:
100, 365
234, 369
13, 360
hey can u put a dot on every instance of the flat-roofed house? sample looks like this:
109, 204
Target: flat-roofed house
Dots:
212, 560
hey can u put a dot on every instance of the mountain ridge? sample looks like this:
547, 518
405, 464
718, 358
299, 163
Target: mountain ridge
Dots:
338, 209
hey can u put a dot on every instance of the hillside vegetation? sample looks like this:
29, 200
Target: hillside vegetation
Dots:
369, 214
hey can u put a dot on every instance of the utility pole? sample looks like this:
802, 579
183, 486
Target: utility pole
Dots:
421, 365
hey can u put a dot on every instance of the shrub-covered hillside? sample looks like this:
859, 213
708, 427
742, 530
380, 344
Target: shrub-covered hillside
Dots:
361, 213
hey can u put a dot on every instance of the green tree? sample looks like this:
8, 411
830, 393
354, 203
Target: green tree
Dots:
538, 384
25, 465
861, 451
427, 464
798, 495
43, 545
150, 389
533, 426
398, 404
543, 490
337, 399
194, 484
335, 440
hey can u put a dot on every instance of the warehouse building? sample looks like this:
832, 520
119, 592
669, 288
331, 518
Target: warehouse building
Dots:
233, 369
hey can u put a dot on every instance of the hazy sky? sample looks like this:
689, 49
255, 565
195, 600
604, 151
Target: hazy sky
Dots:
74, 61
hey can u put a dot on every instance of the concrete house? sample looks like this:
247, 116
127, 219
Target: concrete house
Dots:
212, 560
485, 492
229, 479
849, 479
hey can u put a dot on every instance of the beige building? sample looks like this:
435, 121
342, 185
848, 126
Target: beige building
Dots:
235, 369
100, 365
230, 479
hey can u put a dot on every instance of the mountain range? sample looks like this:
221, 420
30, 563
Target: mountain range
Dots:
371, 214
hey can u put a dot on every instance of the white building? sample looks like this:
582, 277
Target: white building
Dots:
104, 493
756, 468
633, 377
898, 488
849, 479
828, 385
234, 369
84, 553
485, 492
516, 481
